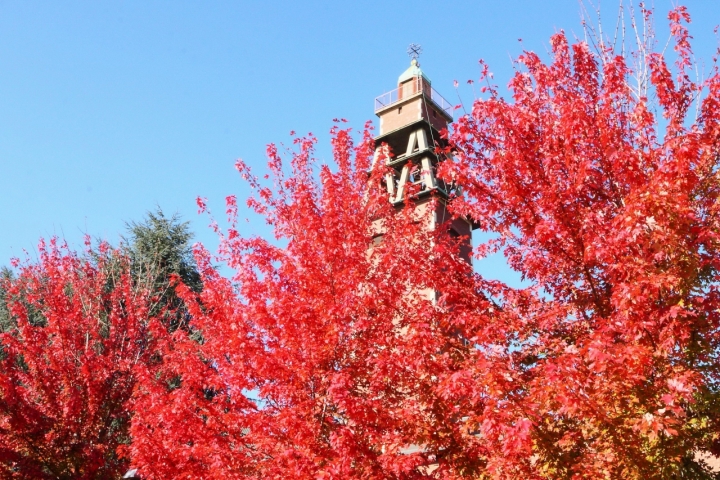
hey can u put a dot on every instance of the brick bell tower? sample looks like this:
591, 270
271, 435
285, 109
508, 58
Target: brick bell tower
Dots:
411, 118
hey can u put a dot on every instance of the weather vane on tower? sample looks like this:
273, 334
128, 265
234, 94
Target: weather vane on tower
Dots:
414, 51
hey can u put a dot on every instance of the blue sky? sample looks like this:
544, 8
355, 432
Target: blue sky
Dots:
108, 109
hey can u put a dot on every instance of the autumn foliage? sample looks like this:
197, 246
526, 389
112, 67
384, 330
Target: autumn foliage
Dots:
322, 358
66, 364
319, 358
604, 195
359, 344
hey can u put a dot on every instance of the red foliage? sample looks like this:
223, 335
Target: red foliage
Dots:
66, 366
320, 359
615, 223
324, 357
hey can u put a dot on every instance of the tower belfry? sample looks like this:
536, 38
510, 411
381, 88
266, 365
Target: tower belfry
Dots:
411, 118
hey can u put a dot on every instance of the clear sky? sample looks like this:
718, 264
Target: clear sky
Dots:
108, 109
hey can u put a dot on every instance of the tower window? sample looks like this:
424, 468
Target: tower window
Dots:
399, 109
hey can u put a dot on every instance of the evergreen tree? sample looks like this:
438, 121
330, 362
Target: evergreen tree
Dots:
5, 320
159, 249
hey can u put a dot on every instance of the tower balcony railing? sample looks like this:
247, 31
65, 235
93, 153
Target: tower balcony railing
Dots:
411, 88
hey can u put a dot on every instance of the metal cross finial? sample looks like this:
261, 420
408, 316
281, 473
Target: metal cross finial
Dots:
414, 51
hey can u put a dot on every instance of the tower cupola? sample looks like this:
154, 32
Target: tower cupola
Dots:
413, 72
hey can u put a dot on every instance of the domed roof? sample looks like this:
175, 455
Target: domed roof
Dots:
413, 71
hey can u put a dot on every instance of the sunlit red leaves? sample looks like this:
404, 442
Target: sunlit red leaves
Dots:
322, 358
66, 371
325, 356
615, 223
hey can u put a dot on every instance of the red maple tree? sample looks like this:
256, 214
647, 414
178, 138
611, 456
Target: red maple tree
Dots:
66, 364
605, 197
324, 356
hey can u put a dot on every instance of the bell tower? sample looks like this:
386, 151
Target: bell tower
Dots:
411, 118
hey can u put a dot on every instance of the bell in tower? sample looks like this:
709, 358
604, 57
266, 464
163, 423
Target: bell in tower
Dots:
411, 118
